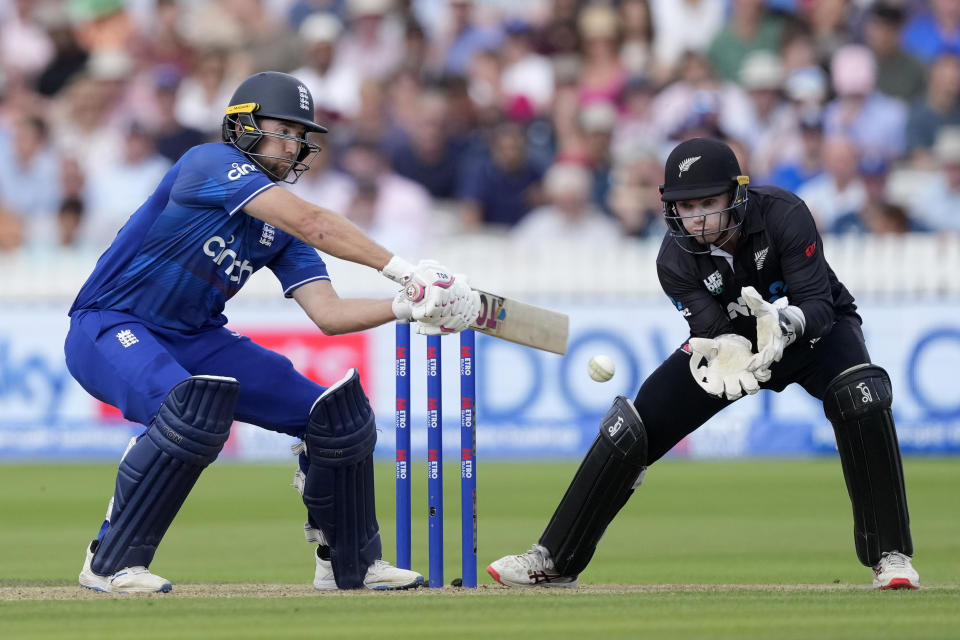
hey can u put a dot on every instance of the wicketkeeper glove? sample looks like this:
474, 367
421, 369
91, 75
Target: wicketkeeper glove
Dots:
779, 324
726, 374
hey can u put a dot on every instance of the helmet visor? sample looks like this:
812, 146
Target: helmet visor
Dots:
698, 230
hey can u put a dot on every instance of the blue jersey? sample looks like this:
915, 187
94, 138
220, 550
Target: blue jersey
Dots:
190, 247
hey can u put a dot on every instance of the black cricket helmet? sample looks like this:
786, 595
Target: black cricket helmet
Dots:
699, 168
276, 95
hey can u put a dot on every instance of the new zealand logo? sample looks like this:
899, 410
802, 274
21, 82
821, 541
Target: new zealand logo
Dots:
760, 257
686, 164
714, 282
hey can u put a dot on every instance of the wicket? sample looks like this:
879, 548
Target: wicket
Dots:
468, 449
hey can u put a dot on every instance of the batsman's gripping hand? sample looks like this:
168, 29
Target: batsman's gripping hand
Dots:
778, 325
456, 316
726, 373
438, 301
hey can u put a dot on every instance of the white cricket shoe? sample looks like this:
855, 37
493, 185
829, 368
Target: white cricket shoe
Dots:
894, 571
531, 569
381, 576
128, 580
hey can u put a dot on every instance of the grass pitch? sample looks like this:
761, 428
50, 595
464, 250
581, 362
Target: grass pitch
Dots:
746, 549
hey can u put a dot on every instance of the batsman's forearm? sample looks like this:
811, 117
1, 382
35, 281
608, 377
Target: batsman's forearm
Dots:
355, 314
336, 236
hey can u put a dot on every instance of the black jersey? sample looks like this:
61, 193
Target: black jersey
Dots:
780, 254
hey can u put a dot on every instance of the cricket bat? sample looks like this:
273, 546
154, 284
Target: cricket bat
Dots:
522, 323
516, 321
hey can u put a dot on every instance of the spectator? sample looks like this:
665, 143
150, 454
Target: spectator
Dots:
171, 138
602, 76
750, 28
797, 48
325, 186
525, 73
829, 28
416, 46
80, 125
68, 59
932, 33
113, 193
370, 45
29, 173
859, 111
25, 46
427, 154
568, 215
940, 107
636, 50
838, 190
501, 187
771, 118
558, 35
899, 74
634, 197
166, 44
11, 231
635, 123
596, 125
69, 222
807, 164
681, 26
937, 205
389, 208
336, 87
462, 38
204, 92
873, 174
698, 100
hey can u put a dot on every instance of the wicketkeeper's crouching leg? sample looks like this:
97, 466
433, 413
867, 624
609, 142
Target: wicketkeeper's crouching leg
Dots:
608, 475
337, 485
857, 402
156, 474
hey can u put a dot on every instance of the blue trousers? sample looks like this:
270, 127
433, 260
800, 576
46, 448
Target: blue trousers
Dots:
121, 362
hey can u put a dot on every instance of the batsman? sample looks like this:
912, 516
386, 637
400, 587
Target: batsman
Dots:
147, 335
744, 266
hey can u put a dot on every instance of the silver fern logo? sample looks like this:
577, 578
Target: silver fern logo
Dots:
686, 164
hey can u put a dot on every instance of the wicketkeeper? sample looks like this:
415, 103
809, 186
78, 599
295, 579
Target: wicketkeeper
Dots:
745, 267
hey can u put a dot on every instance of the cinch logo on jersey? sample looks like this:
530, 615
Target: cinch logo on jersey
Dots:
760, 257
304, 97
714, 282
240, 170
216, 248
267, 235
126, 338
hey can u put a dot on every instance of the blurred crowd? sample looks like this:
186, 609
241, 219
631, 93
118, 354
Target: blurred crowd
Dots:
539, 119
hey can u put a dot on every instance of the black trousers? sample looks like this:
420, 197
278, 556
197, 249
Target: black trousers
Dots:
672, 405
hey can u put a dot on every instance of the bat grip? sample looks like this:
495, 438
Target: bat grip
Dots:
413, 291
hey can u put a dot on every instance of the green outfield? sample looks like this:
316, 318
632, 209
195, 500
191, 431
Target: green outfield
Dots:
741, 549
